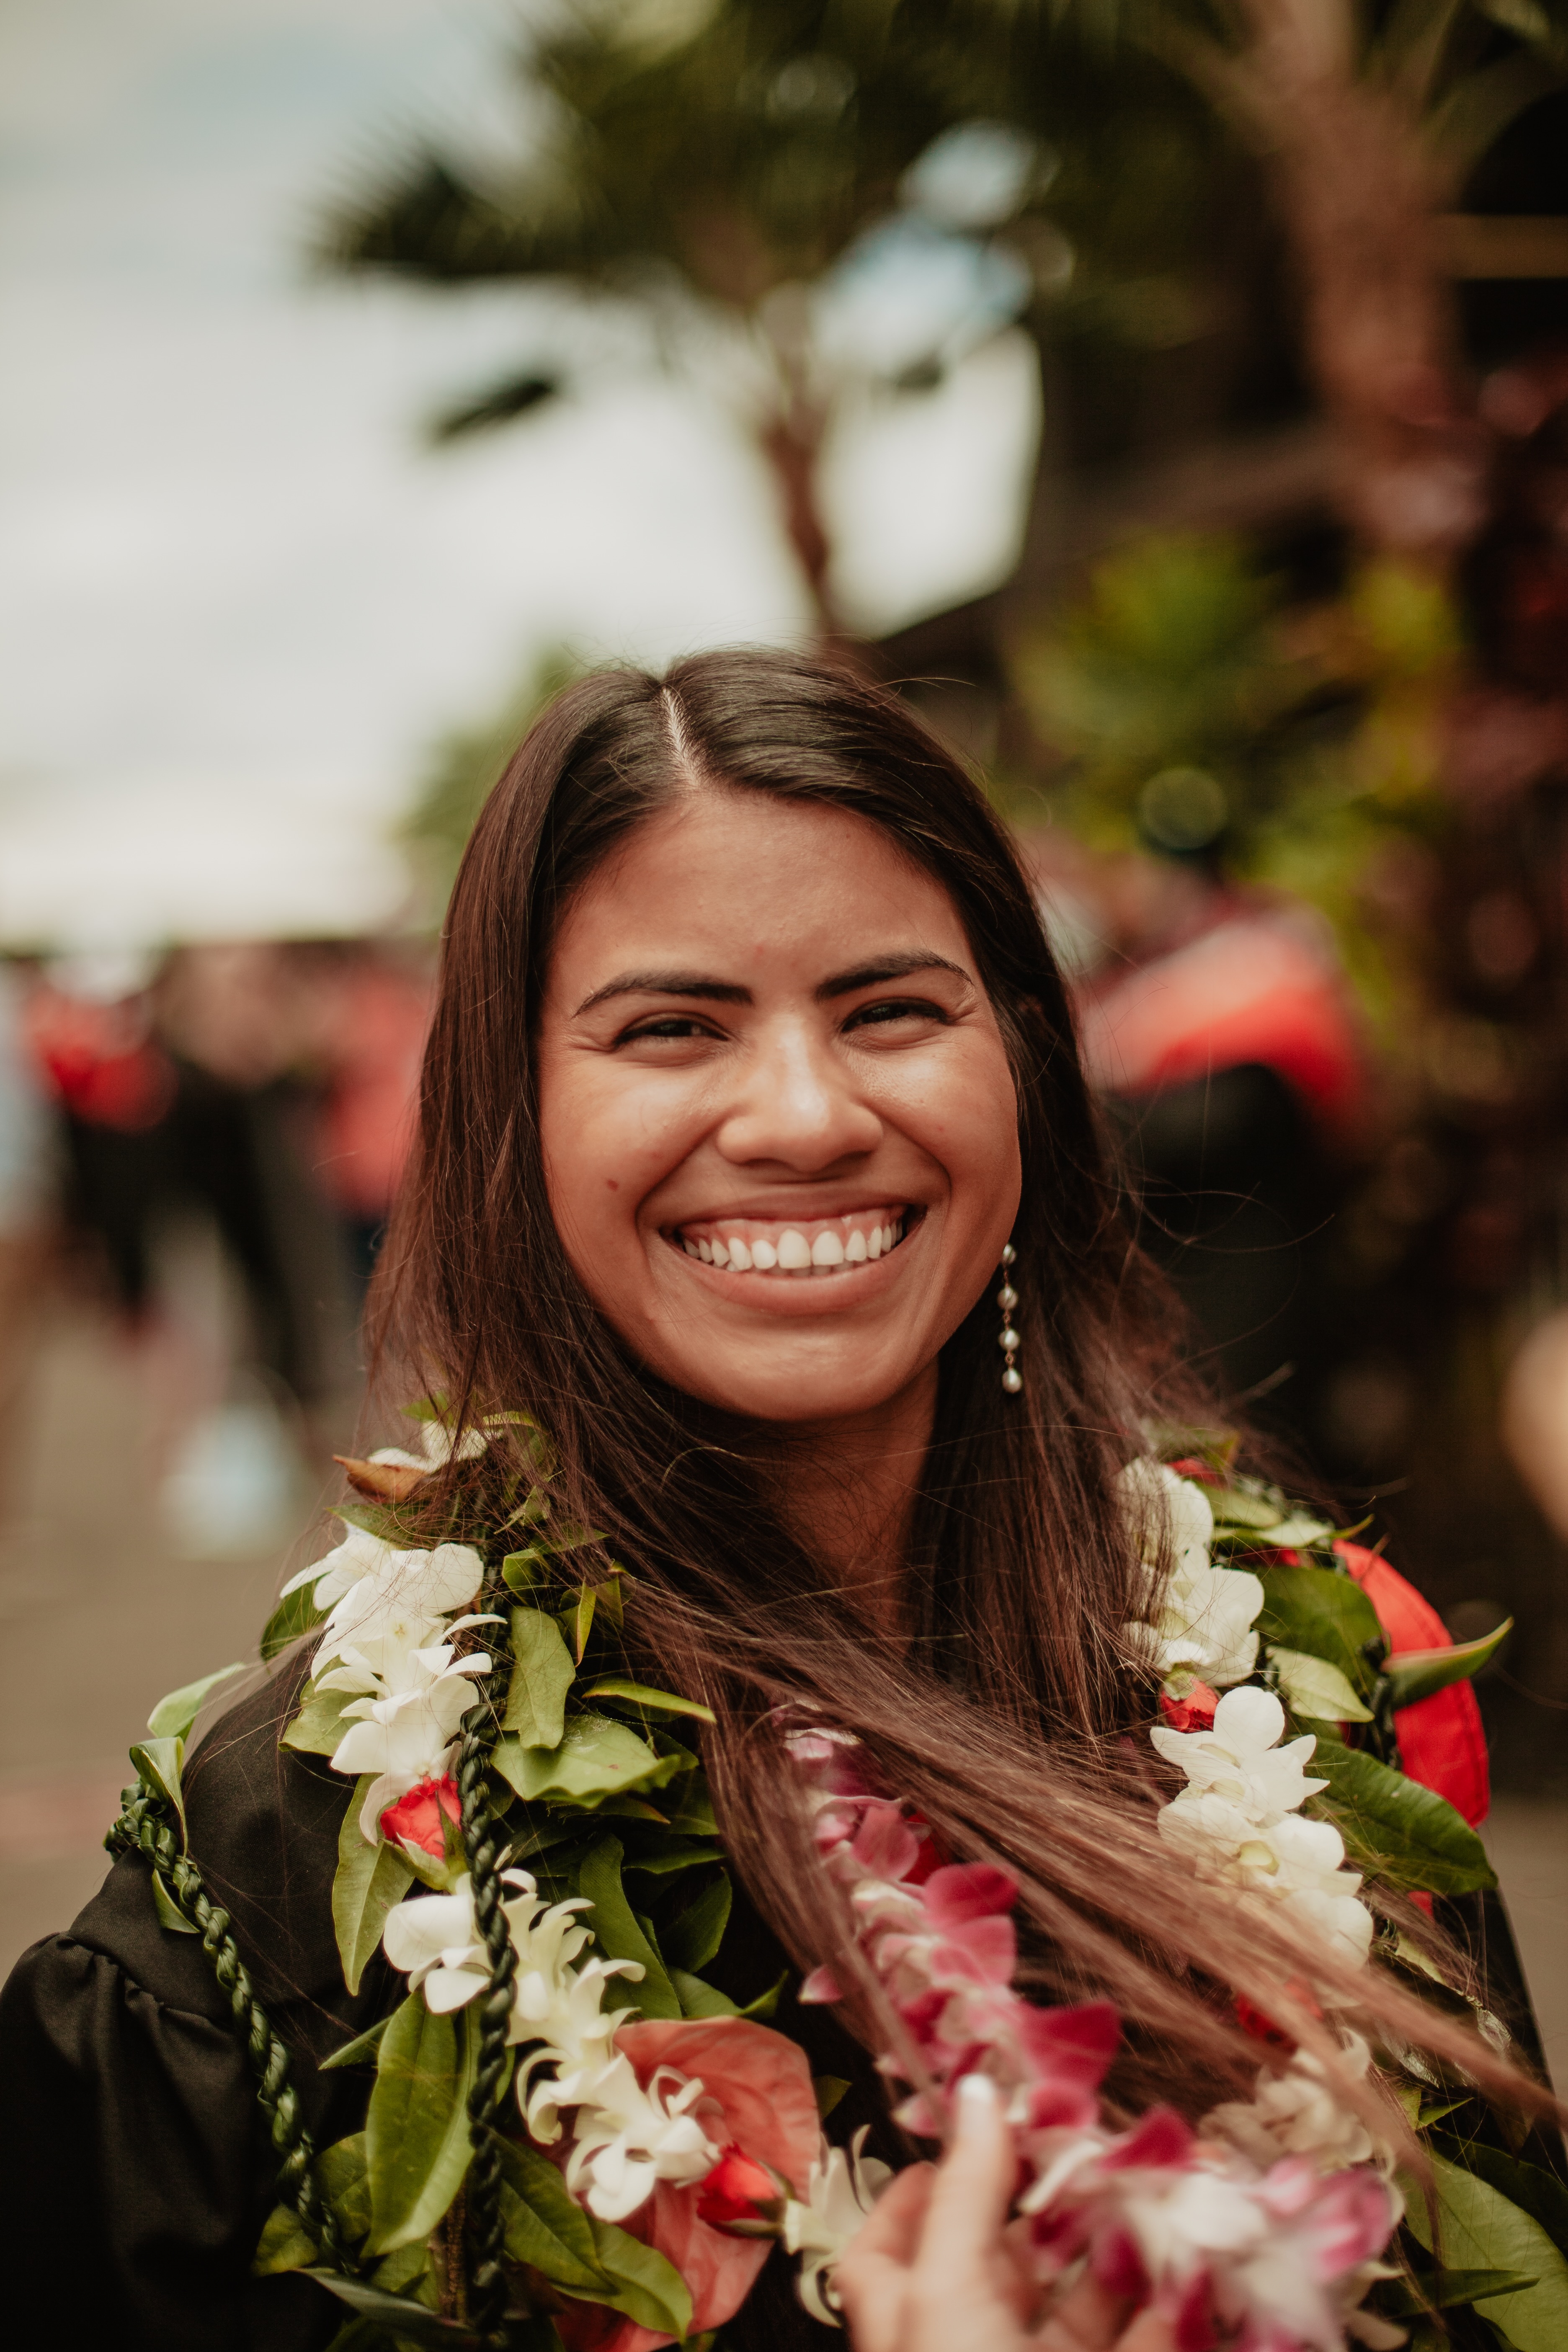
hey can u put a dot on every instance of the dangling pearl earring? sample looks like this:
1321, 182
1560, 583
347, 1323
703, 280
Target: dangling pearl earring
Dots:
1009, 1340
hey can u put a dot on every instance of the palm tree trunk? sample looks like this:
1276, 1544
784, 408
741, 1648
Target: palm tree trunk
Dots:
1359, 194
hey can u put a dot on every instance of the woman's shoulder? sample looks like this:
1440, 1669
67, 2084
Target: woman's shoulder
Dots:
263, 1823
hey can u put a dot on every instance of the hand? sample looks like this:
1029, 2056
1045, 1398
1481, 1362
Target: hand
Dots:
936, 2266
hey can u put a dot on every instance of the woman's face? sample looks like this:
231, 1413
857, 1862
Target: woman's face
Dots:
779, 1127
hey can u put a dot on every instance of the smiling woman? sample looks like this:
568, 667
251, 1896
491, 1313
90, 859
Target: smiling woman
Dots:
785, 1372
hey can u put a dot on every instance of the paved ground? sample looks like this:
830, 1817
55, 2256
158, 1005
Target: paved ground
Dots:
101, 1613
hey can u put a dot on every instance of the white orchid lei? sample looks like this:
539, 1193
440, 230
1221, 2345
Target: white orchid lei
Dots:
647, 2109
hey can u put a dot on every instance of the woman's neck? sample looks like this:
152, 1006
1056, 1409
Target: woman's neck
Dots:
847, 1490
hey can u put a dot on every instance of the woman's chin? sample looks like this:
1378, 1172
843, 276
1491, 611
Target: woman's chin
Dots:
793, 1387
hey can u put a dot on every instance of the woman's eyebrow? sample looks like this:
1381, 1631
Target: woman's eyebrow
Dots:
897, 966
668, 983
888, 967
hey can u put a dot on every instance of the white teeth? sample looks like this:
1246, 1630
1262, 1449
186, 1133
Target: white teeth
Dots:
792, 1254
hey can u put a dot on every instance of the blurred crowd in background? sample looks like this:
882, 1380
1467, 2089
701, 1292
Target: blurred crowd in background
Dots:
1214, 365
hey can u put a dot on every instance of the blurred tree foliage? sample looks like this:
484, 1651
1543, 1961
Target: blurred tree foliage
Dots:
733, 151
464, 770
1205, 716
1368, 116
713, 159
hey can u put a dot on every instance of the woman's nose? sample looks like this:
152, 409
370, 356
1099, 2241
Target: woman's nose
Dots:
797, 1105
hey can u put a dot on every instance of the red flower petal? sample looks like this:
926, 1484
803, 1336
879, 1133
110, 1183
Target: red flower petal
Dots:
757, 2096
415, 1819
961, 1891
1194, 1713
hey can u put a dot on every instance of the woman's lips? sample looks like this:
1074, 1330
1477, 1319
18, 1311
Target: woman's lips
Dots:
796, 1248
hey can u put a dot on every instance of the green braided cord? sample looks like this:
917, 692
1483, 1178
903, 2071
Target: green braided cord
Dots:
145, 1828
483, 1845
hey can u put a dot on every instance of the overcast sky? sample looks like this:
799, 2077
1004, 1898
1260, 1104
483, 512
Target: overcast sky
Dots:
227, 566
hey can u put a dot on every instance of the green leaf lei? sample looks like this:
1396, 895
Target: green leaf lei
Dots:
433, 2225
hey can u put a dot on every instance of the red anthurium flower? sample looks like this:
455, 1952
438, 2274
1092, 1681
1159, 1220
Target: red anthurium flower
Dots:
1194, 1713
741, 2196
757, 2092
415, 1819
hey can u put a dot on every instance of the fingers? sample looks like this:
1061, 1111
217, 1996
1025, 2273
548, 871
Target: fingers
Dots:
871, 2282
973, 2190
1148, 2333
893, 2227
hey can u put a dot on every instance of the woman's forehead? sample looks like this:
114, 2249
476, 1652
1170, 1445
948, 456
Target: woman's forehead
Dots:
757, 880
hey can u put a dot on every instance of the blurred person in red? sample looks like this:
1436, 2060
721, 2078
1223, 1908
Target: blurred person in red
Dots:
87, 1024
241, 1020
371, 1009
1219, 1029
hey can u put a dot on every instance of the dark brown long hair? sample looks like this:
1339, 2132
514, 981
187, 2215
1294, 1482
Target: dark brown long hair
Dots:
1007, 1718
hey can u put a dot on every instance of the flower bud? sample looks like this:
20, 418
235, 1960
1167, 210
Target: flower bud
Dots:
741, 2197
419, 1818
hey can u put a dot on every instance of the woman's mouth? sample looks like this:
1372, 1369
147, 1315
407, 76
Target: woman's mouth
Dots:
796, 1247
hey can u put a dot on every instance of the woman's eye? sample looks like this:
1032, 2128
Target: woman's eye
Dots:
892, 1009
676, 1025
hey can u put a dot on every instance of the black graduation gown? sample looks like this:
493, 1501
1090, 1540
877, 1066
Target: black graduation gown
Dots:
135, 2166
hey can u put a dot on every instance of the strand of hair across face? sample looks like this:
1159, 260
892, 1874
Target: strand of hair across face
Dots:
482, 1846
145, 1828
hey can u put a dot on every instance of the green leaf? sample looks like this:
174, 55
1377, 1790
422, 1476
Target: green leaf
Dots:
1483, 2230
282, 2246
412, 2322
173, 1717
641, 1694
369, 1880
616, 1929
161, 1762
765, 2002
598, 1757
417, 2132
295, 1615
545, 2226
1298, 1532
541, 1674
408, 2270
1233, 1506
1326, 1615
1541, 2193
354, 2054
379, 1519
1312, 1686
340, 2173
694, 1935
1396, 1829
829, 2089
647, 2288
671, 1854
521, 1569
1418, 1673
699, 1999
170, 1914
578, 1620
319, 1726
694, 1816
1443, 2290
